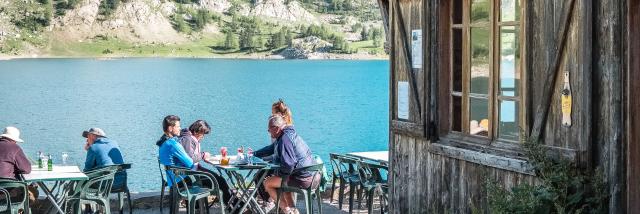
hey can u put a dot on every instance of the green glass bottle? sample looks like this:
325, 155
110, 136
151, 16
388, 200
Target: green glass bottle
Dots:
40, 160
50, 163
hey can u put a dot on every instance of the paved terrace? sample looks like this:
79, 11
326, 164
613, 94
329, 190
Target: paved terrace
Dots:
148, 203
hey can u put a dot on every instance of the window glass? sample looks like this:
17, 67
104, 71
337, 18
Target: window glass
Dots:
457, 60
479, 116
480, 60
480, 11
508, 128
456, 113
509, 61
456, 13
509, 10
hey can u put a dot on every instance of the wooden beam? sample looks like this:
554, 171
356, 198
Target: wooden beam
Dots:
632, 113
542, 109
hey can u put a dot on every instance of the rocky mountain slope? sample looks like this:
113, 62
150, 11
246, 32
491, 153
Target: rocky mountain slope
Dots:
155, 24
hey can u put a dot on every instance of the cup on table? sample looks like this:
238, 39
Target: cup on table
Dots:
64, 159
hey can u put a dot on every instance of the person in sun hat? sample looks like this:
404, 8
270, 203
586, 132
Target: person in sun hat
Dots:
13, 161
102, 151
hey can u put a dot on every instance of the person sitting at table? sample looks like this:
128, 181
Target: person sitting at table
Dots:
101, 152
171, 152
266, 153
291, 152
13, 161
190, 139
277, 108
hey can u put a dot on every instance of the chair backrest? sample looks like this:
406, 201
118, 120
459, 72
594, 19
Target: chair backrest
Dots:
5, 201
180, 174
8, 186
371, 172
349, 164
99, 183
122, 177
162, 169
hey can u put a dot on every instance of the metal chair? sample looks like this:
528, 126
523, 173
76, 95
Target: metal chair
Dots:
96, 189
124, 189
372, 179
309, 193
348, 169
9, 206
190, 190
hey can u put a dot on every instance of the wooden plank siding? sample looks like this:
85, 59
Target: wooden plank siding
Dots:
436, 171
633, 108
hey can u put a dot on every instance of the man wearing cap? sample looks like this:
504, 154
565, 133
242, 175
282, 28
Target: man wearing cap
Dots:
13, 161
102, 151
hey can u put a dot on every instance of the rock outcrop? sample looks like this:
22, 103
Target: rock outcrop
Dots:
286, 10
137, 21
306, 48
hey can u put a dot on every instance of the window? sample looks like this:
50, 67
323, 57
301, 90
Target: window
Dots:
486, 69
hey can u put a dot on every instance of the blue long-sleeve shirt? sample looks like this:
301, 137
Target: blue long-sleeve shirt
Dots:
105, 152
171, 153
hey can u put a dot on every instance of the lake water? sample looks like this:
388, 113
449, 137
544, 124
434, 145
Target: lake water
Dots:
338, 106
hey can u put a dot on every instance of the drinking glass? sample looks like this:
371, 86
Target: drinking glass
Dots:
65, 156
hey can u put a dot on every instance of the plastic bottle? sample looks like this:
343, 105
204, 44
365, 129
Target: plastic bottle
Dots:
50, 163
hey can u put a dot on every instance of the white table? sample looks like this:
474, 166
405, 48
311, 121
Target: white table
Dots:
379, 156
61, 175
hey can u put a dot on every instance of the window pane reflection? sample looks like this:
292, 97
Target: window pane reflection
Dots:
479, 116
480, 60
509, 10
480, 11
508, 127
509, 61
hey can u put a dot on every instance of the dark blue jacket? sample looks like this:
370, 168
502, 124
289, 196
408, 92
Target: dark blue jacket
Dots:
105, 152
291, 152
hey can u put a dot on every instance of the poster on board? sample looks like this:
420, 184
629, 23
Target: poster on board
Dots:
416, 48
403, 100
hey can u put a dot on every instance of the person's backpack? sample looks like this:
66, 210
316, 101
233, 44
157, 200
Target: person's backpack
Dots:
324, 181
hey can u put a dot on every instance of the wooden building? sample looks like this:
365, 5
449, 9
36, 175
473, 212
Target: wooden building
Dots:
467, 75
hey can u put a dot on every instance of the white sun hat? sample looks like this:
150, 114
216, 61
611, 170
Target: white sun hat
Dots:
12, 133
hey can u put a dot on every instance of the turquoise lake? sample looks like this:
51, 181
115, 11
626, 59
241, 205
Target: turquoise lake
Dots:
338, 106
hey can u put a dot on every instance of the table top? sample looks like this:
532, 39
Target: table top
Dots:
381, 156
59, 173
215, 160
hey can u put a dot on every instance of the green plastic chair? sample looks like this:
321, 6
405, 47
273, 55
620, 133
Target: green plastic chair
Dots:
123, 190
164, 183
348, 169
96, 189
9, 206
372, 179
193, 190
309, 193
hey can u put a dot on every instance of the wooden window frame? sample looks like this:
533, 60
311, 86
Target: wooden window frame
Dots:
446, 68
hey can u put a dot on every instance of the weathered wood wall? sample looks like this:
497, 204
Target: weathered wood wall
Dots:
425, 182
633, 108
542, 20
426, 179
607, 93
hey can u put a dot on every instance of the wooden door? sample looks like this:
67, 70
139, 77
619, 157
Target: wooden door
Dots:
632, 114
